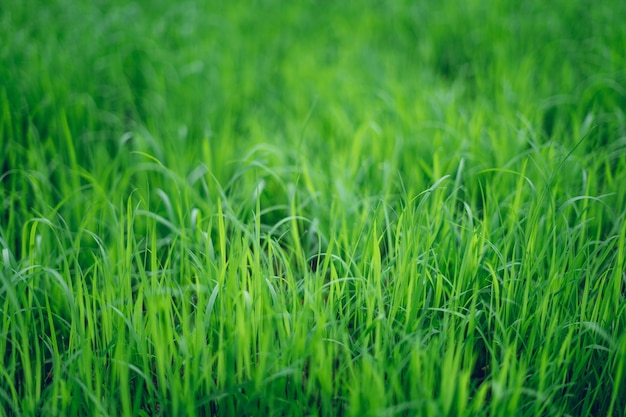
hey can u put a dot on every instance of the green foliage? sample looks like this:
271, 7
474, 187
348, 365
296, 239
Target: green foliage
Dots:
312, 208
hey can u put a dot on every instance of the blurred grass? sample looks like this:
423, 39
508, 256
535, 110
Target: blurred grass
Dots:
256, 207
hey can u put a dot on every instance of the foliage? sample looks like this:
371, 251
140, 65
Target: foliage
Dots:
312, 208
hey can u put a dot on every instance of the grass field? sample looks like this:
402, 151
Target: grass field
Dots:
374, 208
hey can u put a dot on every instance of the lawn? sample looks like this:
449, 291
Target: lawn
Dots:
313, 208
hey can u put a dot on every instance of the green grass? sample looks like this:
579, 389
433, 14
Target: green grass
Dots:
378, 208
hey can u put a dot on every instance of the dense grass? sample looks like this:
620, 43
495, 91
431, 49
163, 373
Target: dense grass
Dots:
313, 208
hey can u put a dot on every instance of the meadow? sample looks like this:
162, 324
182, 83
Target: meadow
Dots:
314, 208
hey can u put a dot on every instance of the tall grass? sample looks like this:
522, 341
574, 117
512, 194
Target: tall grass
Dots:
379, 208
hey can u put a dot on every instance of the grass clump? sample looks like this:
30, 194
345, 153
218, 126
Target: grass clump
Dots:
390, 208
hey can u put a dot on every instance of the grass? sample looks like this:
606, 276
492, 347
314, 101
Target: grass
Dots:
348, 208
